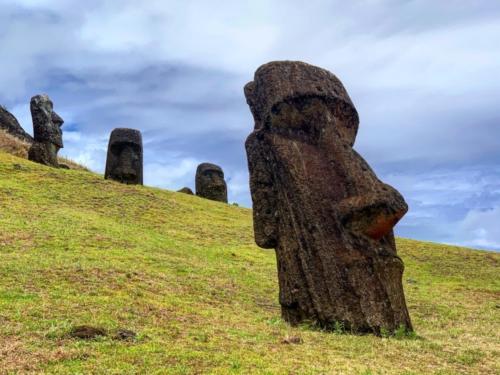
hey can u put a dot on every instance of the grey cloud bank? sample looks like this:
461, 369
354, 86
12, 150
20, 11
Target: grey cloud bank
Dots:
424, 77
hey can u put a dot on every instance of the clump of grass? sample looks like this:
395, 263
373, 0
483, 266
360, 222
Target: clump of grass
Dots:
72, 164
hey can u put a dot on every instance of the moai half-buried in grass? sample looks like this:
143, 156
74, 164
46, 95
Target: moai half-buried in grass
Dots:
320, 205
124, 160
210, 183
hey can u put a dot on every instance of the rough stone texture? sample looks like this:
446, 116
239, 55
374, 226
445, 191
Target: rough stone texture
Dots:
186, 190
46, 130
125, 335
10, 124
124, 161
320, 205
210, 182
87, 332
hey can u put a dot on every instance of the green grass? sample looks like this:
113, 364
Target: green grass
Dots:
184, 274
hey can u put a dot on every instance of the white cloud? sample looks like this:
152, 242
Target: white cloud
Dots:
481, 228
172, 175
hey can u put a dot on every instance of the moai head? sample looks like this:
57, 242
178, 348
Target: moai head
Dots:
319, 204
210, 182
124, 160
46, 123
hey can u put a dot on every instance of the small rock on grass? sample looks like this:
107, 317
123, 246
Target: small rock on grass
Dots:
87, 332
125, 334
292, 340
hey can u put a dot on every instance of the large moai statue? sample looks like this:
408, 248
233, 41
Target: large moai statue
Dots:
210, 182
320, 205
47, 131
124, 160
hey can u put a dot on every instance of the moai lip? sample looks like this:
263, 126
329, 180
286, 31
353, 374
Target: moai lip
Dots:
47, 132
320, 206
124, 161
210, 182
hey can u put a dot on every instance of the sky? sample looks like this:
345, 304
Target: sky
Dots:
424, 76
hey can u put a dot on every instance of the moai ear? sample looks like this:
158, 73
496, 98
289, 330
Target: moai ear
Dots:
249, 91
265, 219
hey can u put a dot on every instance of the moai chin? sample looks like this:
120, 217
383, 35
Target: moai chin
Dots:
124, 160
47, 131
320, 205
210, 182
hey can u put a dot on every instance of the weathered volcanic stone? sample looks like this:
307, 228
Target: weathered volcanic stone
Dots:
210, 182
46, 130
10, 124
87, 332
186, 190
320, 205
124, 160
125, 335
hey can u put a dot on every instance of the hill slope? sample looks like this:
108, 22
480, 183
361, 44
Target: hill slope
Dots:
184, 274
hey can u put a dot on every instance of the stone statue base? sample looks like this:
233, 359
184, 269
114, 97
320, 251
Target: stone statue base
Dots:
44, 153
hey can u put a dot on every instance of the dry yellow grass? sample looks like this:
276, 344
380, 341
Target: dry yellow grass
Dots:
14, 146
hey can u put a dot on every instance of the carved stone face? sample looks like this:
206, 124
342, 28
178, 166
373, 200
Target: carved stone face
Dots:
124, 160
46, 123
210, 182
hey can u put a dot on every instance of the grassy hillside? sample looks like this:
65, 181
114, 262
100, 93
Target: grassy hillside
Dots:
17, 147
184, 274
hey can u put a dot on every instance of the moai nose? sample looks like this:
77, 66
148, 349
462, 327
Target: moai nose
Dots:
56, 119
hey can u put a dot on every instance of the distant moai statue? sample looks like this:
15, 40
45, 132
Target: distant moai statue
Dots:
320, 205
47, 132
124, 160
210, 182
185, 190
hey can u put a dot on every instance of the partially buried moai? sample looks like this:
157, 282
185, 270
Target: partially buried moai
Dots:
47, 133
210, 182
320, 205
185, 190
124, 160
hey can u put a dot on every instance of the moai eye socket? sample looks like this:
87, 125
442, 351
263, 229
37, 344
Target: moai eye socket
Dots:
135, 148
304, 118
116, 148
